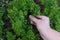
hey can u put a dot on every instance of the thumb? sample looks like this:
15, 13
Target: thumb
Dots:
33, 19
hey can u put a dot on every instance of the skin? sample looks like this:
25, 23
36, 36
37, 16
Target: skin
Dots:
43, 26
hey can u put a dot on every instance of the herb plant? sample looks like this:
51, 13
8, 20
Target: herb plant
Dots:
18, 13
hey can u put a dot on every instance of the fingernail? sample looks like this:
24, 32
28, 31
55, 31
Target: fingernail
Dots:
30, 16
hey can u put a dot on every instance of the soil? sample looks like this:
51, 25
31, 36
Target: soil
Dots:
59, 3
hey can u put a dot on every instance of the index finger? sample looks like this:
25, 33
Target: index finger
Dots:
32, 18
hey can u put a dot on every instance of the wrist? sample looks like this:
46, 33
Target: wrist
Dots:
42, 28
45, 33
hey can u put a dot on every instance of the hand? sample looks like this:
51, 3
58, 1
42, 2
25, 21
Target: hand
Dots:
41, 23
43, 26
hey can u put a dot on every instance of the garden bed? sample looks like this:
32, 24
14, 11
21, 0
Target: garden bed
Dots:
11, 28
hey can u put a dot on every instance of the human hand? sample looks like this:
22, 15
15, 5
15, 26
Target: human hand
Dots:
43, 26
41, 23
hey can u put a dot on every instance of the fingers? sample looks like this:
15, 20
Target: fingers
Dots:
32, 18
42, 17
37, 20
39, 17
33, 23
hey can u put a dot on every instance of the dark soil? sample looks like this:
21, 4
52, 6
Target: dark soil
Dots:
40, 4
59, 3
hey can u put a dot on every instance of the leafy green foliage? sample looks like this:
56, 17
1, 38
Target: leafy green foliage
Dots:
52, 11
19, 18
57, 21
1, 22
18, 12
10, 36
